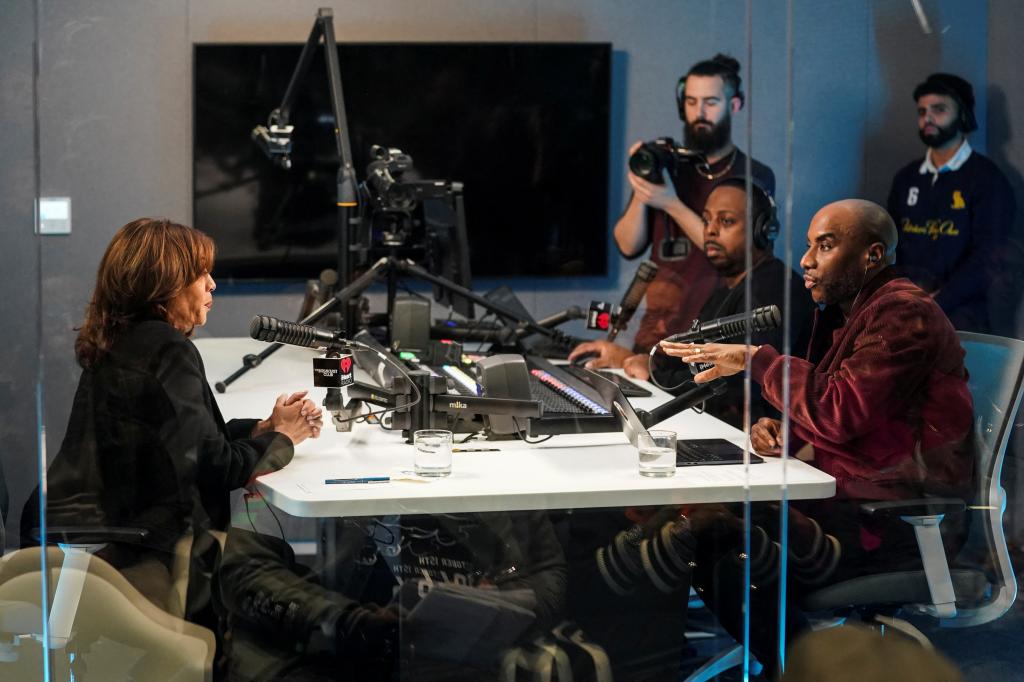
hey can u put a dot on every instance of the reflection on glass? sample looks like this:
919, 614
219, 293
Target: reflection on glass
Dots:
448, 596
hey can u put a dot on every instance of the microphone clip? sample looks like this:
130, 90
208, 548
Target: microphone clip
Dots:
276, 142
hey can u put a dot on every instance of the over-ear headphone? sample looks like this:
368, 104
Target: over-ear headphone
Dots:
764, 228
766, 222
966, 119
681, 98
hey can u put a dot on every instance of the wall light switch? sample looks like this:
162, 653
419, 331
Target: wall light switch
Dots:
53, 215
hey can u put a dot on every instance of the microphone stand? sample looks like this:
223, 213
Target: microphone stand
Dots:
696, 395
340, 296
347, 196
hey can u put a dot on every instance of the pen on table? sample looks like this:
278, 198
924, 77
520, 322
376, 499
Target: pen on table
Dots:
364, 479
370, 479
476, 450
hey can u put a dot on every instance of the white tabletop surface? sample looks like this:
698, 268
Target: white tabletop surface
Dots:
567, 471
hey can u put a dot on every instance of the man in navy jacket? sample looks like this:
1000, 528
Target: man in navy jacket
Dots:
953, 208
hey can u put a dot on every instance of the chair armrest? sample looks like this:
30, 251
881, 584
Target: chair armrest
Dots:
92, 535
925, 515
929, 506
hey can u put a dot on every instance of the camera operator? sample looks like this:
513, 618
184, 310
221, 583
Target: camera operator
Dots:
667, 215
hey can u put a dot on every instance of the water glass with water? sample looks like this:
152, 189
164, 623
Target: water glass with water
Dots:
657, 450
433, 452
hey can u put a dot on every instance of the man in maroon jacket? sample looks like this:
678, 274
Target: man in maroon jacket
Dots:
881, 398
880, 403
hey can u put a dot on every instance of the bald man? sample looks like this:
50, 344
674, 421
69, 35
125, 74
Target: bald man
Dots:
880, 402
884, 376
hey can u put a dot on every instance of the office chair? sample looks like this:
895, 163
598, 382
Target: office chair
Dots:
100, 626
957, 597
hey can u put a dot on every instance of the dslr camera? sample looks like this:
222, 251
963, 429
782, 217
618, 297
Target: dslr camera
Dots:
384, 179
662, 154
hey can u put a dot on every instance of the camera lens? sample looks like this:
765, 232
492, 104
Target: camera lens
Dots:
644, 163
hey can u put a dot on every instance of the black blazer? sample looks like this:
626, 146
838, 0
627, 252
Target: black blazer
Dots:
147, 447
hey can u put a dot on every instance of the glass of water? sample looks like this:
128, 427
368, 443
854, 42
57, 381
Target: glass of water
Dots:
657, 450
433, 452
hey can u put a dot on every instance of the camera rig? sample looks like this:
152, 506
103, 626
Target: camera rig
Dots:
410, 218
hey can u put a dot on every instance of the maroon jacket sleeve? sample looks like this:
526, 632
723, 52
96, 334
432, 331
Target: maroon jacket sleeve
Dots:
887, 356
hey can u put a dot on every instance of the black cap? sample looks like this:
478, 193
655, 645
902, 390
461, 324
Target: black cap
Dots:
955, 87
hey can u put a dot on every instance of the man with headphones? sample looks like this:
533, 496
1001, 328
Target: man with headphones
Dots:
953, 208
725, 240
879, 401
667, 216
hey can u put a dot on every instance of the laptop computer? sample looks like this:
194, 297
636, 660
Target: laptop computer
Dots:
696, 452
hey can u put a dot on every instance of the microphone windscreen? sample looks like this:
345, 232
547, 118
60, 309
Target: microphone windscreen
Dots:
768, 317
273, 330
261, 327
635, 293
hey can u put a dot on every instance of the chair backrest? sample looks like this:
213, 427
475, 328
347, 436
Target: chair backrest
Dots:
996, 368
151, 644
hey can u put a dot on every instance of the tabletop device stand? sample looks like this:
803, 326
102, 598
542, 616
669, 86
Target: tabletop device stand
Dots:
684, 401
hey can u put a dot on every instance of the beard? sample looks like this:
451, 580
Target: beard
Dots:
710, 140
727, 264
843, 288
937, 139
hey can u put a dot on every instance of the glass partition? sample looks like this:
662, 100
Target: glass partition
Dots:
768, 413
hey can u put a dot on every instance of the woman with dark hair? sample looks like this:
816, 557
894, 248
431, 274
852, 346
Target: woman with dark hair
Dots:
146, 448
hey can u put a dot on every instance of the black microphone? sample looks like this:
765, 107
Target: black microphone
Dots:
633, 296
571, 313
695, 396
760, 320
273, 330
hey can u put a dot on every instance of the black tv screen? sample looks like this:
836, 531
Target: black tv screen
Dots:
525, 128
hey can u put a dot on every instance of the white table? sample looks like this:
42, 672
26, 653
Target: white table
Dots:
568, 471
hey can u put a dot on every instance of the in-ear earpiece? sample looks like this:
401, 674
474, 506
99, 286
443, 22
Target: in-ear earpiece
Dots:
873, 258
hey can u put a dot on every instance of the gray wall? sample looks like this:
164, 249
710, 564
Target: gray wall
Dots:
114, 123
18, 258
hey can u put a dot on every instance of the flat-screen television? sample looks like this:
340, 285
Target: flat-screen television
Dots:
524, 126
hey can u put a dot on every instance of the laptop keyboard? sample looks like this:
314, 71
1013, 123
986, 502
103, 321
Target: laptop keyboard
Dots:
713, 451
